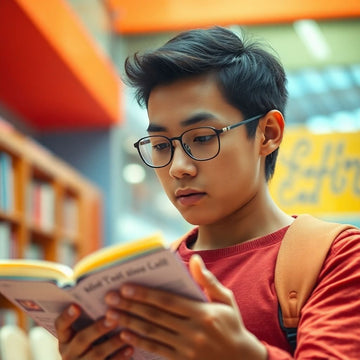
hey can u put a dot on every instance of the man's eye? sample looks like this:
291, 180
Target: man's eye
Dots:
203, 138
161, 146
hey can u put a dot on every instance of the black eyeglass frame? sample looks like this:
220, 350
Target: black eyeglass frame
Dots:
179, 138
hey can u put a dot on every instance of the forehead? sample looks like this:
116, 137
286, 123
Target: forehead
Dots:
185, 98
184, 90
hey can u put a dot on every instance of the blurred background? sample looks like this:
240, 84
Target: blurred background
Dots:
61, 63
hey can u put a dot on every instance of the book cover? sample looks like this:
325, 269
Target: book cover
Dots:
44, 289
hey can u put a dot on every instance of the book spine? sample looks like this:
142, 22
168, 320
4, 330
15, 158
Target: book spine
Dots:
70, 216
6, 182
47, 207
34, 252
5, 241
66, 253
41, 205
8, 317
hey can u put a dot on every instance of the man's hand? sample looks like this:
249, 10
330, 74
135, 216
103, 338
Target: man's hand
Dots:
81, 345
178, 328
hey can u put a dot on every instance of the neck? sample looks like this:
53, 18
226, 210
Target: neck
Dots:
259, 217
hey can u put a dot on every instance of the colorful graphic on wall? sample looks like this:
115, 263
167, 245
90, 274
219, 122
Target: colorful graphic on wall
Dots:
318, 173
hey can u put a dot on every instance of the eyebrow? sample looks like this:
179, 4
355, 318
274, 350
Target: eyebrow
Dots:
195, 119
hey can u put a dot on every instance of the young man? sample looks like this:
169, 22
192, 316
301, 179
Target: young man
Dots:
199, 89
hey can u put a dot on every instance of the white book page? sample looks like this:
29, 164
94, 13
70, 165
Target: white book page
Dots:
42, 301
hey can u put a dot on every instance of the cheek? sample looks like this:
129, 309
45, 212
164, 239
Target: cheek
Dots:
234, 170
165, 180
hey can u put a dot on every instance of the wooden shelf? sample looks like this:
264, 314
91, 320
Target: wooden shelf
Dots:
48, 210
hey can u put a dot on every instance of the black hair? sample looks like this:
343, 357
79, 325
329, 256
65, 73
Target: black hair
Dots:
250, 78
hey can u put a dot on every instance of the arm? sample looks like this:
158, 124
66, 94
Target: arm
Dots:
181, 329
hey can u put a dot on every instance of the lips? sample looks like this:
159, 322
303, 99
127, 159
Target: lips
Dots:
188, 197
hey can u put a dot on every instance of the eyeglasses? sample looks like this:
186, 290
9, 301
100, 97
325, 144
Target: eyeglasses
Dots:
201, 144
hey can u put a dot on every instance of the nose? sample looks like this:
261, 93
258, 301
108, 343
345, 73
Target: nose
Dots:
181, 164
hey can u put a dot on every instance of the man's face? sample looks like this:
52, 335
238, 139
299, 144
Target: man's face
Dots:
205, 192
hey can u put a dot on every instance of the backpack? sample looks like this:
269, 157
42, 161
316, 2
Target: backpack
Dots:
301, 255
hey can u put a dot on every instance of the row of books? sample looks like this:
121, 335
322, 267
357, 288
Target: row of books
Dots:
66, 252
40, 200
41, 208
6, 182
8, 245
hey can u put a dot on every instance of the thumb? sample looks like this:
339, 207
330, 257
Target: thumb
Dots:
213, 289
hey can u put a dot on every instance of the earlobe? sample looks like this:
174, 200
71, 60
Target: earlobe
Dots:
272, 130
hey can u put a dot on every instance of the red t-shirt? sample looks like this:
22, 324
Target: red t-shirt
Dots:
329, 327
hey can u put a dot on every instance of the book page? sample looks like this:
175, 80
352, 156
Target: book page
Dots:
43, 301
31, 269
161, 270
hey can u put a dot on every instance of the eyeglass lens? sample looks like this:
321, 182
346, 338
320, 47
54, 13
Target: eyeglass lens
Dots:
200, 144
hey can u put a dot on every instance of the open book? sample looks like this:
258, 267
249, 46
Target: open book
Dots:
44, 289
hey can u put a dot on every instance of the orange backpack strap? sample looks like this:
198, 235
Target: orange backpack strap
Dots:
301, 256
175, 244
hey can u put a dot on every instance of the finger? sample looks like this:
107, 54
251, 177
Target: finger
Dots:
125, 353
149, 345
215, 291
63, 324
161, 325
112, 348
172, 303
83, 341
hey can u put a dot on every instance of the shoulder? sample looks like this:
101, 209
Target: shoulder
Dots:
348, 241
188, 237
342, 260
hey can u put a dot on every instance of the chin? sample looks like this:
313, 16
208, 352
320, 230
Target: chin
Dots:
197, 219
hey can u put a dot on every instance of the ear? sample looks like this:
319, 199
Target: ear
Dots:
271, 128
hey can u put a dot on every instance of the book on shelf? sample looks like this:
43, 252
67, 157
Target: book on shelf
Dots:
44, 289
8, 317
66, 253
7, 241
34, 251
70, 215
6, 182
41, 204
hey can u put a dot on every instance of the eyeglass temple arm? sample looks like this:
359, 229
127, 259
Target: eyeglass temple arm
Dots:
230, 127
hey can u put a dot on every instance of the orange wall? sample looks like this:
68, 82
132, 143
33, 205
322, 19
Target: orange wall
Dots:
52, 73
142, 16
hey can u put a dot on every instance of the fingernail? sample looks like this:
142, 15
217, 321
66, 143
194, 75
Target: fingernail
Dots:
72, 311
200, 261
198, 258
126, 336
112, 299
109, 321
127, 291
128, 351
112, 315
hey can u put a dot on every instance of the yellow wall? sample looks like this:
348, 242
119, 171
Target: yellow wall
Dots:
318, 173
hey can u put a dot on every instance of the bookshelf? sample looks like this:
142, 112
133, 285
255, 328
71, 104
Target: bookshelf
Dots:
47, 209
